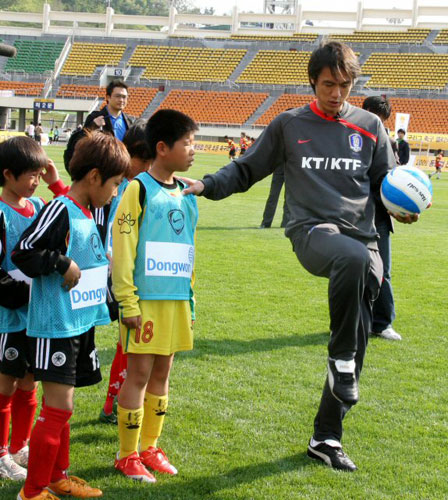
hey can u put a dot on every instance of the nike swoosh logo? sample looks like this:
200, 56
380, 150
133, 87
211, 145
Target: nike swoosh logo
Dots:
300, 141
177, 220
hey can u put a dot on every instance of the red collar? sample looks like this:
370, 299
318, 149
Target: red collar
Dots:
345, 123
85, 210
27, 211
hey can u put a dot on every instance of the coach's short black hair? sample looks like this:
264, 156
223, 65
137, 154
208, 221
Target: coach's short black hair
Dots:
135, 142
378, 105
21, 154
336, 56
101, 151
113, 84
168, 126
402, 130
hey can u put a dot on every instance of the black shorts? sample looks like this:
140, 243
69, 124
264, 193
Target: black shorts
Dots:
232, 152
15, 357
69, 361
242, 151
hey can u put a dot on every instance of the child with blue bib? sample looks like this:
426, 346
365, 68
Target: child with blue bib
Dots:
22, 164
152, 275
63, 253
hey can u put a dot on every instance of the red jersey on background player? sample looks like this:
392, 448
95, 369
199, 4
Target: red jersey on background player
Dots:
232, 147
438, 163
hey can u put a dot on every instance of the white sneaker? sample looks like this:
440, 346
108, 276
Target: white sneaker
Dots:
10, 470
21, 457
389, 334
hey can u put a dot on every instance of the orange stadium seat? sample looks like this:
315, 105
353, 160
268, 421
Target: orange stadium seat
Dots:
427, 115
215, 107
23, 88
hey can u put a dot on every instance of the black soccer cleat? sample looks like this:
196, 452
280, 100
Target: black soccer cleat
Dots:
332, 456
342, 380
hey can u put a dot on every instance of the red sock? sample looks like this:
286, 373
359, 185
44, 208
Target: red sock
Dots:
115, 380
44, 447
63, 458
23, 409
5, 416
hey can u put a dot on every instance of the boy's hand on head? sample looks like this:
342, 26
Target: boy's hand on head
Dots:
50, 174
133, 322
71, 276
405, 219
194, 186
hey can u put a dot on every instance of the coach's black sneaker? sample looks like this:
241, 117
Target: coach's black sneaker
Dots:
342, 380
333, 456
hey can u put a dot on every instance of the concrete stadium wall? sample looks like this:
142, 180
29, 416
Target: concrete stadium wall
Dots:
110, 24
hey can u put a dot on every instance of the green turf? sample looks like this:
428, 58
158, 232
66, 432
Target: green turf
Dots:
242, 403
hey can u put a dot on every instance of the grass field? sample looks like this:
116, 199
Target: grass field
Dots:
242, 402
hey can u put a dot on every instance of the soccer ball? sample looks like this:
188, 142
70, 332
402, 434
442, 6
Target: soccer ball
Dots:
406, 190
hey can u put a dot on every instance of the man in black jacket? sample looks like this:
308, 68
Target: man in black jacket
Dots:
112, 117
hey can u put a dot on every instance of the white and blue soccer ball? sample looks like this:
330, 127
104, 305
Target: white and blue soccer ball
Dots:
406, 190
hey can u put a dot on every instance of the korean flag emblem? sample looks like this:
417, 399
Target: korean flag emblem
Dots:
355, 142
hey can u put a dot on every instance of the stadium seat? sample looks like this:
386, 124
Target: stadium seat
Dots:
23, 88
85, 57
412, 35
186, 63
427, 115
215, 107
34, 56
411, 71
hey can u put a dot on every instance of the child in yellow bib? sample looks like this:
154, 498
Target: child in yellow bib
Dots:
153, 248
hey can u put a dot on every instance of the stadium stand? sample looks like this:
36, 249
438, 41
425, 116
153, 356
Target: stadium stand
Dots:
415, 36
34, 56
23, 88
85, 57
186, 63
442, 37
427, 115
296, 37
215, 107
410, 71
139, 97
287, 67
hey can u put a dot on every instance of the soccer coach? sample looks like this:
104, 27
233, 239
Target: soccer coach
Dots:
335, 156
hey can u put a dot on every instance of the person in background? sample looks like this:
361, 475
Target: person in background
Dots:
112, 117
403, 147
384, 305
278, 179
438, 164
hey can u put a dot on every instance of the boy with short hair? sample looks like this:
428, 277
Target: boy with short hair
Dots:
135, 143
22, 163
60, 250
152, 275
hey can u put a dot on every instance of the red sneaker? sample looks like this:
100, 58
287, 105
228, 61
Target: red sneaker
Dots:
155, 459
132, 467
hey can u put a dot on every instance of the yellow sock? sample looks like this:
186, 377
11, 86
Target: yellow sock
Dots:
153, 418
129, 427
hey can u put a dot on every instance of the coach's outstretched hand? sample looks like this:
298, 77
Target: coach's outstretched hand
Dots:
195, 187
405, 219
